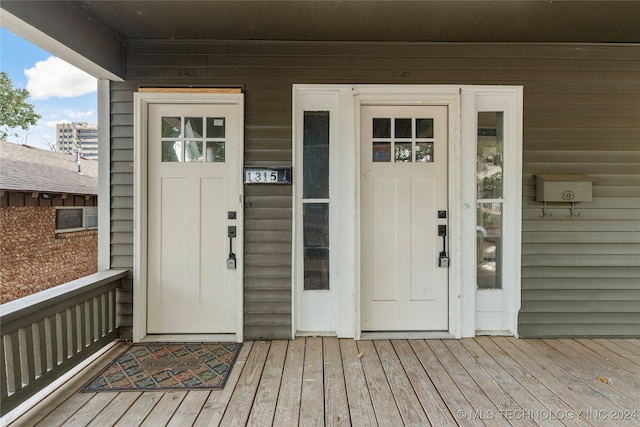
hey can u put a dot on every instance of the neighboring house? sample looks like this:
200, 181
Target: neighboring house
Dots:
48, 219
77, 138
364, 169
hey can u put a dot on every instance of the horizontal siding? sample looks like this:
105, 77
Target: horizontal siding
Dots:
581, 115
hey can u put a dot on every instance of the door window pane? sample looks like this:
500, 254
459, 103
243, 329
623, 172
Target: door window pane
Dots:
215, 127
403, 128
171, 127
193, 127
315, 155
489, 245
382, 128
193, 151
316, 246
403, 152
381, 151
215, 152
424, 152
171, 151
490, 149
424, 128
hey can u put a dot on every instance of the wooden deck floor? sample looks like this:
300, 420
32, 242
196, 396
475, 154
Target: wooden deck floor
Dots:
327, 381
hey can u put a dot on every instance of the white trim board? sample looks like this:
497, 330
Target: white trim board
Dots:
141, 103
461, 101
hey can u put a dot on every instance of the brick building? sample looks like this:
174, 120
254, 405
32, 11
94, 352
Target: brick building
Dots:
48, 219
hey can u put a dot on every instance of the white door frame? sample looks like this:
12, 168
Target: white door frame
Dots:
140, 261
461, 102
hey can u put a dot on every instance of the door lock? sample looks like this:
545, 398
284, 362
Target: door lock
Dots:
231, 261
443, 259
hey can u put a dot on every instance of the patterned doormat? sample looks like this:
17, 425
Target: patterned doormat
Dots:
170, 366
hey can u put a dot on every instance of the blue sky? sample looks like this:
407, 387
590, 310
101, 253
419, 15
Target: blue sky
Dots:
59, 92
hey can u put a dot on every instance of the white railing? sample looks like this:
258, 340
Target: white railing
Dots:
46, 334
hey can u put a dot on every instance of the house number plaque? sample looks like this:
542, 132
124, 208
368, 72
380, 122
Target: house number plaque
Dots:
267, 175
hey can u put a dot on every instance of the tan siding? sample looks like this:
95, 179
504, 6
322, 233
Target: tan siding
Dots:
582, 115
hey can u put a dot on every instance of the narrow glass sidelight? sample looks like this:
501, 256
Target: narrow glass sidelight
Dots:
316, 155
315, 194
490, 199
316, 246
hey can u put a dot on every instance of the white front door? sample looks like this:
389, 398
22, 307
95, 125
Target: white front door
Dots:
193, 200
403, 203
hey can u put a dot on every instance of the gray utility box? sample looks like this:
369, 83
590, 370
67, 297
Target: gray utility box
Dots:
563, 188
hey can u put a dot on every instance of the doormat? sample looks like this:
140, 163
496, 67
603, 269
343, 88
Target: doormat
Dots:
170, 366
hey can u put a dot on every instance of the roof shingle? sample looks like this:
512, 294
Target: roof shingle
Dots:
26, 168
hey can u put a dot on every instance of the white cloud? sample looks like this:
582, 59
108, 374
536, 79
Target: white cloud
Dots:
79, 114
55, 78
53, 123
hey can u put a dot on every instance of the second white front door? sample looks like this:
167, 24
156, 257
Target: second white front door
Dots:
404, 284
193, 207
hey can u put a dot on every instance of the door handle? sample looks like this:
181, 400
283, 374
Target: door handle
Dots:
231, 261
443, 259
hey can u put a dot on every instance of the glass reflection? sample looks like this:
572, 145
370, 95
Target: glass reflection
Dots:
193, 127
424, 152
171, 151
403, 128
489, 245
193, 151
171, 127
215, 152
490, 149
424, 128
315, 219
382, 128
381, 151
315, 143
215, 127
402, 152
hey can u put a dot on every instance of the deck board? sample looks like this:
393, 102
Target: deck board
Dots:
549, 401
437, 412
408, 404
164, 410
239, 407
387, 412
522, 399
336, 405
118, 407
330, 381
214, 407
480, 401
361, 409
312, 408
264, 404
288, 405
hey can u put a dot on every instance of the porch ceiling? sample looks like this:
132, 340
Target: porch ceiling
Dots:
424, 21
98, 30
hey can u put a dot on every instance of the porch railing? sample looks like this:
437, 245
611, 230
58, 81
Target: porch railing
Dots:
46, 334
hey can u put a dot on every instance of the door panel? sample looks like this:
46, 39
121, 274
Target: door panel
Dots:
192, 180
403, 186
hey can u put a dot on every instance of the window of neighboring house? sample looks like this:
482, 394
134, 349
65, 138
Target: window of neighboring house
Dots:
76, 218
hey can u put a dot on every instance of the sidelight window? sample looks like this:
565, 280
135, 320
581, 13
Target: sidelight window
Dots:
315, 200
490, 198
